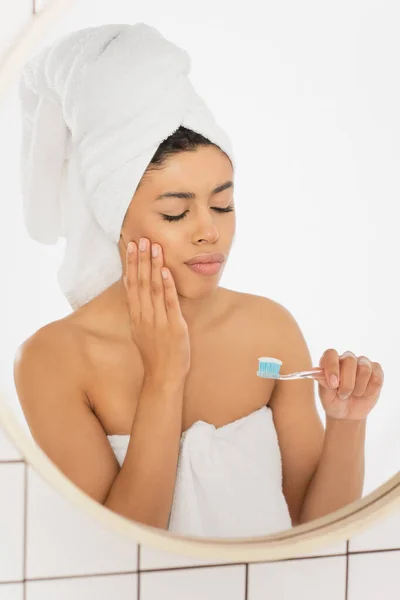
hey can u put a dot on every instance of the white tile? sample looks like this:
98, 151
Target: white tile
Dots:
208, 583
313, 578
63, 540
13, 17
122, 587
11, 521
11, 591
7, 450
374, 576
151, 558
338, 548
380, 536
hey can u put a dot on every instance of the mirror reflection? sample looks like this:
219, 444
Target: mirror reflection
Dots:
173, 385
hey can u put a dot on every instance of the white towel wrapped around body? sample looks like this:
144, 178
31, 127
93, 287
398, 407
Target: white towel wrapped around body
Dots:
95, 107
229, 479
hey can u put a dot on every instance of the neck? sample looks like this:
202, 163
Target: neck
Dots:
197, 312
200, 312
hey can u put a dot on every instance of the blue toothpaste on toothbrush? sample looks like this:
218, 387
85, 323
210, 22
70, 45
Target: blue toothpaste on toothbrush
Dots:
269, 367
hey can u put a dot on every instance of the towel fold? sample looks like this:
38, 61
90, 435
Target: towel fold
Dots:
96, 105
229, 480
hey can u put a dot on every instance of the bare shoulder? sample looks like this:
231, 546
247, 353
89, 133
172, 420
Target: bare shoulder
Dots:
274, 326
288, 336
263, 311
270, 307
55, 337
49, 371
53, 350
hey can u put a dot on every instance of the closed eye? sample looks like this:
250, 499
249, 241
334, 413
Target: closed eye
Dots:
183, 215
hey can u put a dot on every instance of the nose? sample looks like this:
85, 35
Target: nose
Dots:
205, 228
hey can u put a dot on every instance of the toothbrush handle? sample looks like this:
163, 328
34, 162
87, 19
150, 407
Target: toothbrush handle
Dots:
302, 374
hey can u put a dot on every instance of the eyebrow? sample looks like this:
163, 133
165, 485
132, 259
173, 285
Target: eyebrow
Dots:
191, 195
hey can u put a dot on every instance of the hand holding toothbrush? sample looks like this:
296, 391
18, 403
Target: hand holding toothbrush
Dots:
349, 386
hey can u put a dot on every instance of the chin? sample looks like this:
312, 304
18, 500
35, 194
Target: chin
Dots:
197, 290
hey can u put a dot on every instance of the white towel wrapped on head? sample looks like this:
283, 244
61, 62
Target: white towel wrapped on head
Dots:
96, 105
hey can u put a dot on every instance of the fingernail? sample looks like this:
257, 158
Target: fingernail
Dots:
364, 361
142, 244
343, 396
333, 381
154, 251
130, 247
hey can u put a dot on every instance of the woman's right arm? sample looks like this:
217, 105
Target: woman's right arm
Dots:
144, 488
64, 425
60, 416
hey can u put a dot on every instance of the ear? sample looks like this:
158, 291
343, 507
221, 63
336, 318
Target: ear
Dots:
121, 248
121, 243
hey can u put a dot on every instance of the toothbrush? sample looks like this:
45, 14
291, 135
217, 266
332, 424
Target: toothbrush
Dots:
269, 367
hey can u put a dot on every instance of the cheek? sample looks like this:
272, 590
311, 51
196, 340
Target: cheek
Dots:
171, 243
131, 227
229, 229
164, 234
134, 229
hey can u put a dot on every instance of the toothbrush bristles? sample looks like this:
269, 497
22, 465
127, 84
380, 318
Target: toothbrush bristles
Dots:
269, 368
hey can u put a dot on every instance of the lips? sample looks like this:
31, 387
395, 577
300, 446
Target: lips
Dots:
206, 258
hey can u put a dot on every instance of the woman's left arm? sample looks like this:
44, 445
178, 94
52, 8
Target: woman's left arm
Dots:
339, 477
322, 470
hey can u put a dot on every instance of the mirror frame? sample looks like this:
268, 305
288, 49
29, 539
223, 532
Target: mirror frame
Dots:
300, 540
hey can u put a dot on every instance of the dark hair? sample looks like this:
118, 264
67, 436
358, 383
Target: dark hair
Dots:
182, 140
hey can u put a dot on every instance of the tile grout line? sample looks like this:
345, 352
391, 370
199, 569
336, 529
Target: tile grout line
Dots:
346, 589
191, 567
138, 572
187, 568
358, 552
24, 534
80, 576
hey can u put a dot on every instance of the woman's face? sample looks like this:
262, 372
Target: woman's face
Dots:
203, 228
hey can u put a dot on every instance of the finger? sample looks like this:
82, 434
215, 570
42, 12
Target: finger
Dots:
144, 280
364, 372
131, 282
330, 364
348, 372
172, 305
375, 381
157, 286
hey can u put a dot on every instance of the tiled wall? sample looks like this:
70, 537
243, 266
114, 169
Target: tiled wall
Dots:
49, 549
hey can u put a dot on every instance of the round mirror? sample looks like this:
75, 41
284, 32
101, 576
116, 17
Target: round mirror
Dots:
247, 400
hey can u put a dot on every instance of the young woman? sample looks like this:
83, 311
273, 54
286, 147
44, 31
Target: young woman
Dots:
147, 396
